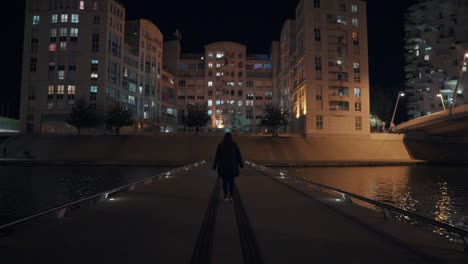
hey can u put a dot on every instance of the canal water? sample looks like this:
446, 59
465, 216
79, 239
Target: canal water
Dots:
25, 190
437, 192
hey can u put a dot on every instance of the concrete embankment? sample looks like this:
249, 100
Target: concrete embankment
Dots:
180, 149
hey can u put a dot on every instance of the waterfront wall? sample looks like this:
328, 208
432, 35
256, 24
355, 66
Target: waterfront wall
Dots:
188, 148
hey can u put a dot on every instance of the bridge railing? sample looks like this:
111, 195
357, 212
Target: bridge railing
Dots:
62, 209
387, 209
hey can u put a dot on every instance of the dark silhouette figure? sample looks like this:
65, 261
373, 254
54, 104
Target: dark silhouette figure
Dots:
228, 160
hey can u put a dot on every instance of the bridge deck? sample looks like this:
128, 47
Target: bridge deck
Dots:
160, 223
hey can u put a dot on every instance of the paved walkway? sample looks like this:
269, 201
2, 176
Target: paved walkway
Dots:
160, 223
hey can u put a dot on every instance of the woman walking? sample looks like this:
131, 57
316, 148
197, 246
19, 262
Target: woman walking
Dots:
228, 160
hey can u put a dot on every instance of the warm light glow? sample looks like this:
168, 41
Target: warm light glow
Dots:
439, 95
466, 55
402, 94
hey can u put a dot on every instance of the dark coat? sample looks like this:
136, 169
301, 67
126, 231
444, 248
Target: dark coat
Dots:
228, 159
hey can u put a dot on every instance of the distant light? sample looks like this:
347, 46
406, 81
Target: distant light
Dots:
466, 55
402, 94
111, 199
338, 200
439, 95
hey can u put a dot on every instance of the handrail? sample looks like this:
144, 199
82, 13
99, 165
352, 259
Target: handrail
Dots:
61, 209
387, 209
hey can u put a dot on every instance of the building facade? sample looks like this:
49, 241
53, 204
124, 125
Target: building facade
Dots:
436, 41
85, 49
324, 66
234, 85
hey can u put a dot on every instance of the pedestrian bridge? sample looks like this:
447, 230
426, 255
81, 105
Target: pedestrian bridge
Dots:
179, 217
446, 123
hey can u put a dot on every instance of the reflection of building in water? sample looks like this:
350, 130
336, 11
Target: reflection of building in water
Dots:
384, 184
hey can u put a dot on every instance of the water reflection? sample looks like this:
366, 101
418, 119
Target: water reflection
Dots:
25, 190
437, 192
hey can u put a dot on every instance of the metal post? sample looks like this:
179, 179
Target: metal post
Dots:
103, 197
346, 198
387, 214
61, 213
465, 56
394, 111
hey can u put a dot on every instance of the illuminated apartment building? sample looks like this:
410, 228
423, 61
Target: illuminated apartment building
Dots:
76, 49
144, 80
324, 66
71, 49
436, 41
235, 85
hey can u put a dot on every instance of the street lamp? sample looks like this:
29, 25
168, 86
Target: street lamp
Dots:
442, 100
400, 94
463, 68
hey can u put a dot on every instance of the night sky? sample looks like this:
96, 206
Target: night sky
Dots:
252, 23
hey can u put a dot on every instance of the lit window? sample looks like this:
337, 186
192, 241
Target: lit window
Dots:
63, 45
52, 47
75, 18
94, 75
210, 112
63, 32
71, 89
93, 89
210, 65
355, 22
53, 32
61, 72
218, 65
60, 89
258, 66
35, 20
426, 57
81, 5
219, 55
319, 122
239, 103
50, 90
210, 102
73, 32
210, 84
64, 18
355, 36
54, 18
358, 123
357, 107
210, 54
357, 92
354, 8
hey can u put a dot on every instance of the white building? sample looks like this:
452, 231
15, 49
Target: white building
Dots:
324, 66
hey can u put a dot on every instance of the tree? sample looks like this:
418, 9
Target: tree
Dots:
197, 116
119, 116
81, 115
274, 117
